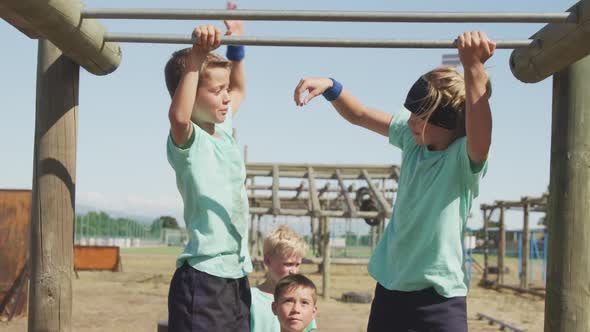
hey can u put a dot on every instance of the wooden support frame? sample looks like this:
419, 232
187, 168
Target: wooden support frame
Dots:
384, 206
61, 22
559, 45
276, 200
313, 193
352, 211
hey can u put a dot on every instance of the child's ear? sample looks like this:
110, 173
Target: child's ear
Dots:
274, 308
266, 260
314, 311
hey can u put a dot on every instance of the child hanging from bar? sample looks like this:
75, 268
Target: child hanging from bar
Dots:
209, 290
444, 132
283, 251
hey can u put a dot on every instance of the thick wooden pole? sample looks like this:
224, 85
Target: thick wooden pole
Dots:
568, 269
54, 179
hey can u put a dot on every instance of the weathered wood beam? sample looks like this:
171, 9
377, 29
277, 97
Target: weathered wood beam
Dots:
60, 22
557, 46
349, 203
313, 193
276, 199
384, 205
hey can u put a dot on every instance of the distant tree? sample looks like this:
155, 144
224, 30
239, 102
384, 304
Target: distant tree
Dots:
164, 222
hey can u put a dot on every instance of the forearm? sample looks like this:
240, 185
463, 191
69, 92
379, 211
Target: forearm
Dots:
478, 115
349, 107
184, 99
237, 83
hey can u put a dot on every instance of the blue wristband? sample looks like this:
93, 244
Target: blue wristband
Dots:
235, 53
333, 93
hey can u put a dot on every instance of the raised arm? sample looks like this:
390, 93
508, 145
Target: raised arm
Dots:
237, 78
183, 101
348, 106
474, 50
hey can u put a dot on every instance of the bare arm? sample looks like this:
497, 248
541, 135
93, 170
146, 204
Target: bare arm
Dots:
474, 50
237, 77
348, 106
184, 97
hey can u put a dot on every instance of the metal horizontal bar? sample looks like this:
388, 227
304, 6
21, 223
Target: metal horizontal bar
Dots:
328, 16
306, 42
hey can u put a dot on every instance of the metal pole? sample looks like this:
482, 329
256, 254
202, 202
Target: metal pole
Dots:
328, 16
308, 42
568, 267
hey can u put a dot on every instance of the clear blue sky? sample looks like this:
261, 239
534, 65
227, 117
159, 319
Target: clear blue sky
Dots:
123, 125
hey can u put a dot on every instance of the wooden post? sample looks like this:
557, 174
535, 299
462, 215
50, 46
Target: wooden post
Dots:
502, 246
321, 235
373, 238
485, 244
524, 282
54, 190
568, 266
253, 234
325, 258
276, 199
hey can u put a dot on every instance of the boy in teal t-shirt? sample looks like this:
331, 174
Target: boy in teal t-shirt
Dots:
283, 251
209, 290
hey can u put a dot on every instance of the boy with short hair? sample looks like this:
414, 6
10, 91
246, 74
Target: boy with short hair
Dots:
209, 290
295, 302
283, 251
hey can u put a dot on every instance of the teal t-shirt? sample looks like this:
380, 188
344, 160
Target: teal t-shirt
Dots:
262, 319
210, 176
423, 244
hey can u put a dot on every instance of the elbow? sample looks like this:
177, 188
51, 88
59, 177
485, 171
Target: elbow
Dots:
357, 118
478, 153
177, 120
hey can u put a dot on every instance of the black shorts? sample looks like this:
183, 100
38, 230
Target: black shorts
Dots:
198, 301
420, 311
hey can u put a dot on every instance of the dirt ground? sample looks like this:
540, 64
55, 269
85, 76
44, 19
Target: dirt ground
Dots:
135, 299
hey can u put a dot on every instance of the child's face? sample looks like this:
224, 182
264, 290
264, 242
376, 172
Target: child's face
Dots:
430, 135
212, 101
280, 266
295, 309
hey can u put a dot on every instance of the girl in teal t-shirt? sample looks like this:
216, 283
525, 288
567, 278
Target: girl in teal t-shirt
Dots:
445, 135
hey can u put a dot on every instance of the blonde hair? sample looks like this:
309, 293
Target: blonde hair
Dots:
176, 64
283, 241
446, 87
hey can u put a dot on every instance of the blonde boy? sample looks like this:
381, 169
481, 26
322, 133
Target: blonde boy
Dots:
283, 251
209, 290
295, 303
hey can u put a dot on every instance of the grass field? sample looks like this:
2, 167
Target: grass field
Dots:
136, 299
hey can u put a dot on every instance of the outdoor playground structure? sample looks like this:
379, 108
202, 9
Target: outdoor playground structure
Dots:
70, 37
527, 243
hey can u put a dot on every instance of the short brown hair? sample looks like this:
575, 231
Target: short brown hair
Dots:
175, 67
294, 281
